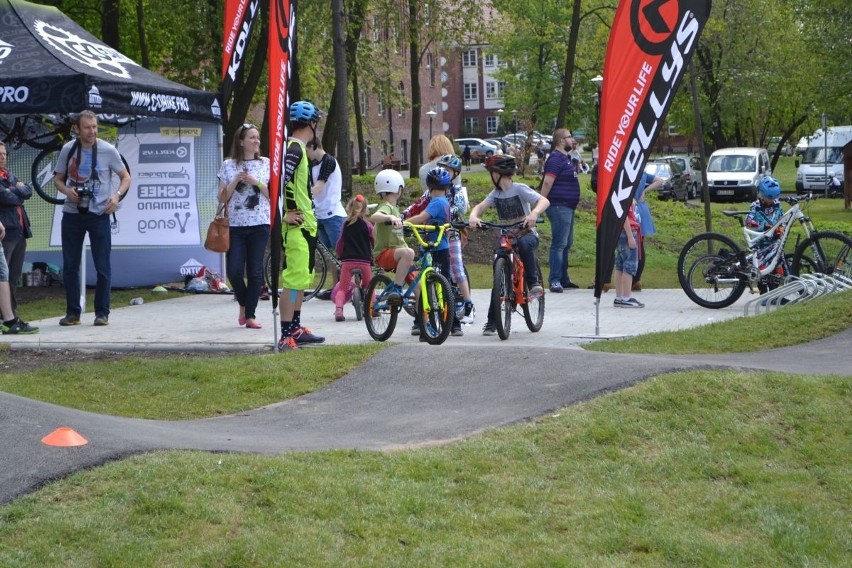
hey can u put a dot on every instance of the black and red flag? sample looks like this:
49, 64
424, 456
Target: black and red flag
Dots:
282, 36
240, 16
649, 49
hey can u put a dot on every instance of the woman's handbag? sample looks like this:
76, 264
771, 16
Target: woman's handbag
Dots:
219, 232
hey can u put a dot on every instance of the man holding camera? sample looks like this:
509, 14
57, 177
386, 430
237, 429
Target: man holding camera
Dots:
83, 173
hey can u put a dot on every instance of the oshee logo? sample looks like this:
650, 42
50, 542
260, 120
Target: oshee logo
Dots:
164, 153
164, 191
156, 102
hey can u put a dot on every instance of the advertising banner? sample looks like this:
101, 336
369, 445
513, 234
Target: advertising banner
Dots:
649, 49
161, 207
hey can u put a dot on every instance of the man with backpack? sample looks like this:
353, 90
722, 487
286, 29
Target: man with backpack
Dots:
83, 173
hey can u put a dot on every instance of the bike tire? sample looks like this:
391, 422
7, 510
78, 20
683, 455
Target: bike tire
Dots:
824, 252
379, 317
501, 297
533, 307
320, 256
437, 309
704, 261
358, 302
42, 175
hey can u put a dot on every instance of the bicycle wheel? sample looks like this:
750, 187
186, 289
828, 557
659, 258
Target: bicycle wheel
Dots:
714, 281
699, 246
825, 252
534, 306
436, 318
42, 175
358, 302
501, 297
321, 257
267, 271
378, 315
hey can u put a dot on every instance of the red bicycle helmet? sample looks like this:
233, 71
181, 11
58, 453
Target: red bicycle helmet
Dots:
501, 164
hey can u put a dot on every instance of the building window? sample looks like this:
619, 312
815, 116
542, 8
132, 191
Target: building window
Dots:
492, 123
471, 125
471, 92
469, 58
377, 30
501, 87
430, 65
401, 98
364, 106
380, 104
490, 60
491, 90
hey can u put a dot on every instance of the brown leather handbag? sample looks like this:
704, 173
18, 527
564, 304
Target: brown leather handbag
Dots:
219, 232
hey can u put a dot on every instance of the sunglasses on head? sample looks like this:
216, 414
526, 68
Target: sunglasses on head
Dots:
246, 126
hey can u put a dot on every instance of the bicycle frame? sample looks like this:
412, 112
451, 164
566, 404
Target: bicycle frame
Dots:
507, 247
424, 264
752, 238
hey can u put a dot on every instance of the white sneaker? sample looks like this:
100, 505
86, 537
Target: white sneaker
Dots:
628, 303
469, 313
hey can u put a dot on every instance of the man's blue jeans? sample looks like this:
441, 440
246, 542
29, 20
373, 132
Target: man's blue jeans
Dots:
74, 229
562, 237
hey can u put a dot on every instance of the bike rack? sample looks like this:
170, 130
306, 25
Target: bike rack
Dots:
798, 289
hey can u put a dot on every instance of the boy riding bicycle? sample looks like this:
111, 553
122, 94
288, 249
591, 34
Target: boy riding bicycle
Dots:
513, 202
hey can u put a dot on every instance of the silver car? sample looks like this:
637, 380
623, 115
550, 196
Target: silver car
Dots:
477, 146
691, 166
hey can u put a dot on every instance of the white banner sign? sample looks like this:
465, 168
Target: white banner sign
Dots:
161, 206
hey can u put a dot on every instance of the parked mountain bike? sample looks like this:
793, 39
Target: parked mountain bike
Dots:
434, 303
510, 288
36, 130
714, 271
323, 260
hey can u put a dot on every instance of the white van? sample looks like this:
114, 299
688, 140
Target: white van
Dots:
824, 155
733, 173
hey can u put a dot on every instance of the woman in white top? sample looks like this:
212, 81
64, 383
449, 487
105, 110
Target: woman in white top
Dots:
243, 185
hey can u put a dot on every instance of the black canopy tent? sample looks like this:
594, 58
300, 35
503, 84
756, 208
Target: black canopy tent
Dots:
49, 64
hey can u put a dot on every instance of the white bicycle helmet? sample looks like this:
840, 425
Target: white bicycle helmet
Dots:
388, 181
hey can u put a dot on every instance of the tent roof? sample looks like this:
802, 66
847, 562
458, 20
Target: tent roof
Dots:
49, 64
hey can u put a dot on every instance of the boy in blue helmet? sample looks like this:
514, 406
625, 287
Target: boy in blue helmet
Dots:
765, 213
437, 212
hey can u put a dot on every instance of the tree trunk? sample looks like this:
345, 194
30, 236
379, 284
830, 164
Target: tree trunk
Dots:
140, 27
340, 123
416, 95
109, 23
568, 74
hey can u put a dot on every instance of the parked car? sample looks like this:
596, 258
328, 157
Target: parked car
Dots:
691, 166
733, 173
478, 146
675, 186
786, 149
499, 143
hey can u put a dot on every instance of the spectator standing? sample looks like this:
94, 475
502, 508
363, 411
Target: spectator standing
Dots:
439, 146
561, 187
83, 174
646, 221
11, 325
465, 156
243, 186
327, 193
626, 262
13, 216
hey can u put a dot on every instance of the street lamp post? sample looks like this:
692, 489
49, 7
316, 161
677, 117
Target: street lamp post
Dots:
597, 81
500, 127
514, 122
431, 114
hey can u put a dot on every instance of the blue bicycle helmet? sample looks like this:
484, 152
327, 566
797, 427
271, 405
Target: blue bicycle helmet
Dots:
304, 111
451, 161
769, 187
438, 178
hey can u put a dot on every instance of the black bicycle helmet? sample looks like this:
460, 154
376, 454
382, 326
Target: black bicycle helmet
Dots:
501, 164
438, 178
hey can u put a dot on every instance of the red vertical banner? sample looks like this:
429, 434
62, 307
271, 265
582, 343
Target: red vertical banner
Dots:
282, 20
240, 16
649, 48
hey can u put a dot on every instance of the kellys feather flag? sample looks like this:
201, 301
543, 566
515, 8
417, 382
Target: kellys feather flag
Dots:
240, 16
649, 49
282, 35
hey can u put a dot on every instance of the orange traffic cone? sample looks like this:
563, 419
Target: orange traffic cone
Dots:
65, 437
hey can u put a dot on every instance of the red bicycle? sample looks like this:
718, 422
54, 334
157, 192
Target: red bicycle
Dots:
510, 288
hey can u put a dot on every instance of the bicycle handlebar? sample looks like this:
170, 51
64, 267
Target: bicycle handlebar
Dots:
505, 226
